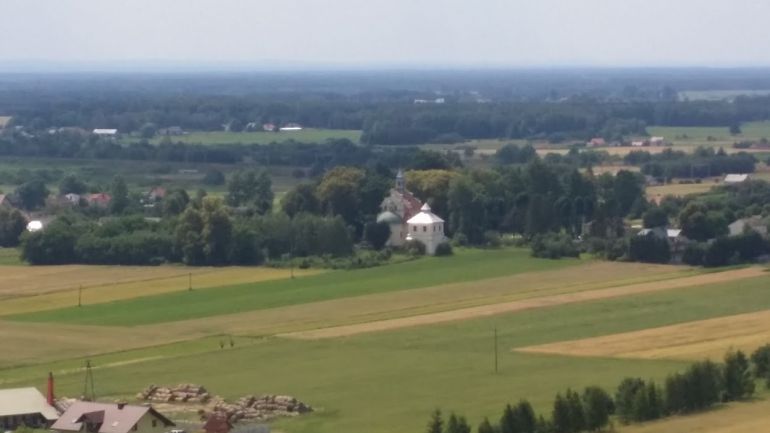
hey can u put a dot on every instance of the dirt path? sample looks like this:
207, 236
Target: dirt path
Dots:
542, 302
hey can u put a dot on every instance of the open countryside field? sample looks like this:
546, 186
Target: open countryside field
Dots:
734, 418
307, 135
413, 369
687, 341
31, 288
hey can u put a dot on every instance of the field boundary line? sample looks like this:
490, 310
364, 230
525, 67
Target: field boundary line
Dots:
527, 304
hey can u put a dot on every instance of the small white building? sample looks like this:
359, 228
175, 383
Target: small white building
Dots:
427, 228
25, 407
736, 178
105, 132
753, 223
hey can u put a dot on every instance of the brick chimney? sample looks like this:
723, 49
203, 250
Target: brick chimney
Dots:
50, 395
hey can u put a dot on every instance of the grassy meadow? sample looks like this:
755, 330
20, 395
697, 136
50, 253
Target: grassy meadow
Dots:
386, 381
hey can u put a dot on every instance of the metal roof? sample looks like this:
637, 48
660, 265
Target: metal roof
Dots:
25, 401
425, 216
116, 418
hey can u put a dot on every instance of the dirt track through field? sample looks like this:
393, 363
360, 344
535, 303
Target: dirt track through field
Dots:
688, 341
514, 306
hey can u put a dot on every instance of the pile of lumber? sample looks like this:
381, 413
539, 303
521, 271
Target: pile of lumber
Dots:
263, 408
183, 393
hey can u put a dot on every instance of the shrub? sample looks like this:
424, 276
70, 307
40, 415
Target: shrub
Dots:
492, 239
414, 248
693, 254
649, 249
554, 246
444, 249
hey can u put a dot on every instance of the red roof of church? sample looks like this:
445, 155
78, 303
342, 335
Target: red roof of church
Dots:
411, 205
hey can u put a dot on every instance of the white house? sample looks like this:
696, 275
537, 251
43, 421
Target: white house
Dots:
736, 178
25, 406
84, 416
754, 223
427, 228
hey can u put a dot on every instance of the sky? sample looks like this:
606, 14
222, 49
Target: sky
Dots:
381, 33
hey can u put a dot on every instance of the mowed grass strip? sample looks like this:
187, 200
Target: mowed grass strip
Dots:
696, 340
390, 381
465, 265
741, 417
53, 287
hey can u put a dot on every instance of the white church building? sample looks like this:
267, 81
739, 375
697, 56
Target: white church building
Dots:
427, 228
408, 218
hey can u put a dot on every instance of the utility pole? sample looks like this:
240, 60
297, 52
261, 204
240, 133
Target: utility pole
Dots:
495, 349
80, 296
89, 383
189, 282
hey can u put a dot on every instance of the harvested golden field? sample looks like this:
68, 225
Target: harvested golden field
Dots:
688, 341
25, 289
540, 300
734, 418
678, 190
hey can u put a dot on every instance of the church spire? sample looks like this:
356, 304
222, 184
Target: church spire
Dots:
400, 184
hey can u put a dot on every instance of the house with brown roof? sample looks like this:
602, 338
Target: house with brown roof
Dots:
101, 199
90, 417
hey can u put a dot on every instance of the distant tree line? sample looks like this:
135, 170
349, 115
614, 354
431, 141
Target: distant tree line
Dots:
700, 387
703, 162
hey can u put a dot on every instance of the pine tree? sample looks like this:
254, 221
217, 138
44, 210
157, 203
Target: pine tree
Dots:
737, 378
436, 423
485, 427
576, 414
562, 422
598, 407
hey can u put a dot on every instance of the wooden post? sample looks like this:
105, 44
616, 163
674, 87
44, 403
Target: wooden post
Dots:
80, 296
189, 281
495, 349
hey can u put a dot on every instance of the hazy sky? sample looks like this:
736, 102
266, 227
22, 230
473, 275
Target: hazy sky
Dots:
389, 32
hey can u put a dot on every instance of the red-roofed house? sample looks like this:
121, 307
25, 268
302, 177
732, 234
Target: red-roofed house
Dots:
597, 142
89, 417
157, 193
100, 199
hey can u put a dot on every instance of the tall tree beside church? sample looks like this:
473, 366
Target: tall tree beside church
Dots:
432, 186
339, 192
300, 199
466, 209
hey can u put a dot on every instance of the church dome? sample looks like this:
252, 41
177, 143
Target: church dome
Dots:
389, 218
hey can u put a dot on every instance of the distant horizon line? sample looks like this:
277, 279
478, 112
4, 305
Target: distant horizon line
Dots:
31, 66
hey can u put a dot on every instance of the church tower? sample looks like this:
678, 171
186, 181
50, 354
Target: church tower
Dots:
400, 183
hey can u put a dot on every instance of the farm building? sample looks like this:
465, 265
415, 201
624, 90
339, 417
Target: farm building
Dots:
101, 199
396, 209
736, 178
171, 130
657, 141
596, 142
156, 193
291, 127
427, 228
269, 127
84, 416
105, 132
754, 223
26, 407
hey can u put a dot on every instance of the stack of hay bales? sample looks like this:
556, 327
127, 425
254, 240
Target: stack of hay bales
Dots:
263, 408
183, 393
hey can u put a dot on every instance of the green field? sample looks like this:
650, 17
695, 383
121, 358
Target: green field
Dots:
466, 265
308, 135
390, 381
699, 134
9, 257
